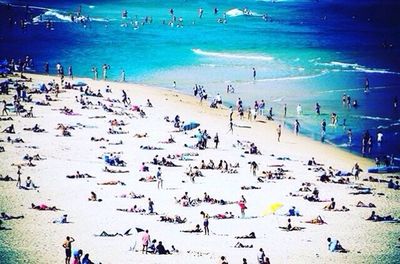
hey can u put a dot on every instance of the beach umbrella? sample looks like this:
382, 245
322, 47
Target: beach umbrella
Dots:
191, 125
271, 208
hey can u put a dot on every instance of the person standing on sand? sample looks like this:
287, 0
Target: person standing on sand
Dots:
145, 241
254, 74
279, 132
68, 248
216, 140
205, 222
242, 205
159, 179
296, 127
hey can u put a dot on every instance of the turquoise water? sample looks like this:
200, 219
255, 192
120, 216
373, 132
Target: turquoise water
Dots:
304, 52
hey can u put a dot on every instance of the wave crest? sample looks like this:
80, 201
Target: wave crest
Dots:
240, 56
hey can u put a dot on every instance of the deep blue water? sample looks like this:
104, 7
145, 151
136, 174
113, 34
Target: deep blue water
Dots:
306, 52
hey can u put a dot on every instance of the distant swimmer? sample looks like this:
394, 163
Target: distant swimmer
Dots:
366, 88
215, 11
254, 74
124, 13
395, 103
201, 12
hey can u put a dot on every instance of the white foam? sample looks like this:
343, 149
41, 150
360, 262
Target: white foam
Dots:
240, 56
352, 67
373, 117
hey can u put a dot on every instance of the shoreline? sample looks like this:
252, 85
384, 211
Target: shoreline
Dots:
66, 155
280, 120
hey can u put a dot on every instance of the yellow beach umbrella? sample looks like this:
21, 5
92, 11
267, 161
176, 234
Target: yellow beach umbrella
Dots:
271, 208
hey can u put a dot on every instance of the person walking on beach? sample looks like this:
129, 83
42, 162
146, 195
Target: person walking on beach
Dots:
105, 68
296, 127
5, 110
19, 173
254, 74
230, 126
145, 241
279, 132
68, 248
216, 140
151, 206
254, 167
124, 98
159, 179
205, 222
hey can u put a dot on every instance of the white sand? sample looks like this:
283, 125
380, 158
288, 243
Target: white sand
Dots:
37, 236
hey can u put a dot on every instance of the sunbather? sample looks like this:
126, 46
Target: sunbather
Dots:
369, 205
115, 171
240, 245
134, 209
252, 235
318, 221
5, 216
111, 183
6, 178
10, 129
43, 207
197, 229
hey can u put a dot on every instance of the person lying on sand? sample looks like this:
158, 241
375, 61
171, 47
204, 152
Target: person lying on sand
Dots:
111, 183
16, 140
362, 191
176, 219
116, 143
119, 131
5, 216
43, 207
250, 187
114, 122
6, 178
317, 221
312, 162
134, 209
10, 129
6, 118
131, 195
150, 148
289, 227
34, 157
240, 245
148, 179
335, 246
343, 209
197, 229
98, 139
226, 215
169, 140
79, 175
140, 135
114, 171
105, 234
293, 212
376, 218
369, 205
252, 235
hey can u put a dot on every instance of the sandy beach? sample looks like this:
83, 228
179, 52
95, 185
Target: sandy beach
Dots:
36, 239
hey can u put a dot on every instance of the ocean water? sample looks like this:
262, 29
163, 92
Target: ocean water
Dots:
304, 52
